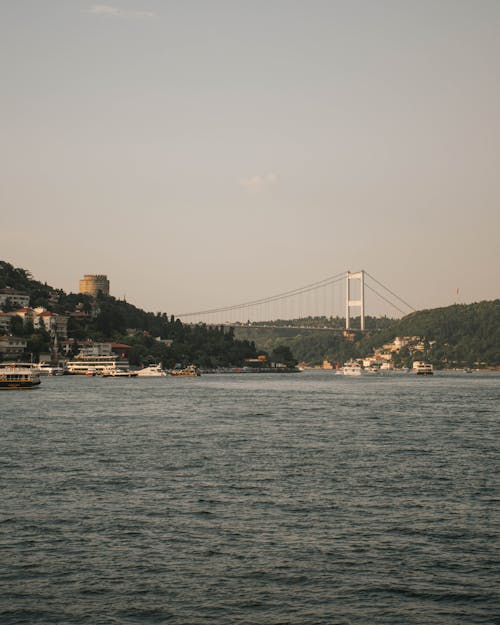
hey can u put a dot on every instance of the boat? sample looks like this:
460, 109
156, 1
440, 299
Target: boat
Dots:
117, 373
190, 370
95, 365
18, 376
153, 371
422, 368
45, 368
352, 368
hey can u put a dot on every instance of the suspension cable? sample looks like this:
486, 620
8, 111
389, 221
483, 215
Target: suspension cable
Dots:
391, 292
272, 298
385, 299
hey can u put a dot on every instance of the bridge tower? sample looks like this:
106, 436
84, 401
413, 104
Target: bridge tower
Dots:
358, 303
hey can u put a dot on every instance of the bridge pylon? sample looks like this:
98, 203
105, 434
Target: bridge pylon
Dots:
355, 303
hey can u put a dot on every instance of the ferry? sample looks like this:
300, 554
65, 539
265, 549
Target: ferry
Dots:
18, 375
422, 368
153, 371
95, 365
352, 368
190, 370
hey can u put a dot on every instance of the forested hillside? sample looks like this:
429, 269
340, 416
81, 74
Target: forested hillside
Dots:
460, 335
111, 319
464, 334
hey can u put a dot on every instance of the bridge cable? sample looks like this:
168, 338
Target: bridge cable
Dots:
385, 299
285, 295
391, 292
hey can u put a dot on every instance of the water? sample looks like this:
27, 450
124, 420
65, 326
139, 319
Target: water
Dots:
253, 499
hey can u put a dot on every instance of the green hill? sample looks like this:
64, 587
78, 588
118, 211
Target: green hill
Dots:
455, 336
461, 335
117, 320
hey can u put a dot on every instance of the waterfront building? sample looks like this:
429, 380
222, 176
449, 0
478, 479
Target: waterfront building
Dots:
92, 349
94, 284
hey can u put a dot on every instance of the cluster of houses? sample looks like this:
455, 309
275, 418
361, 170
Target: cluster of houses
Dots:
40, 318
383, 357
14, 347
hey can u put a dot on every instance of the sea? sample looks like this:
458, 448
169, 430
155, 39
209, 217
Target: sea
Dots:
256, 499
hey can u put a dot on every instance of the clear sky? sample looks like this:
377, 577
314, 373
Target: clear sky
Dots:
202, 153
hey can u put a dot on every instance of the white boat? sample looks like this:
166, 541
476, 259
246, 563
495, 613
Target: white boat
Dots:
153, 371
18, 376
44, 368
352, 368
117, 373
95, 365
422, 368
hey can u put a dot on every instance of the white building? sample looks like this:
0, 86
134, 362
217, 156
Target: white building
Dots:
400, 342
52, 322
96, 349
45, 319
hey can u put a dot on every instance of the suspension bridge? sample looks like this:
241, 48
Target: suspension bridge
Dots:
341, 295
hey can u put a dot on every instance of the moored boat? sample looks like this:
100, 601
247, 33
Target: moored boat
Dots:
153, 371
95, 365
352, 368
190, 371
18, 376
117, 373
422, 368
44, 368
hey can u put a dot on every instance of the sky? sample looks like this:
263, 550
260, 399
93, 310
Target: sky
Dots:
205, 153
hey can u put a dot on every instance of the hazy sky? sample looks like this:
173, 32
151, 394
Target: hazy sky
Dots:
202, 153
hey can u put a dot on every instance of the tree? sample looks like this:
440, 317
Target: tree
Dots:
282, 354
16, 326
8, 305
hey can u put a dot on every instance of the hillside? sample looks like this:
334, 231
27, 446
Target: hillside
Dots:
459, 335
464, 334
108, 318
312, 346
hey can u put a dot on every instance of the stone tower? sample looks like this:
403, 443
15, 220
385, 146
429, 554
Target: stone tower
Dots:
93, 285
